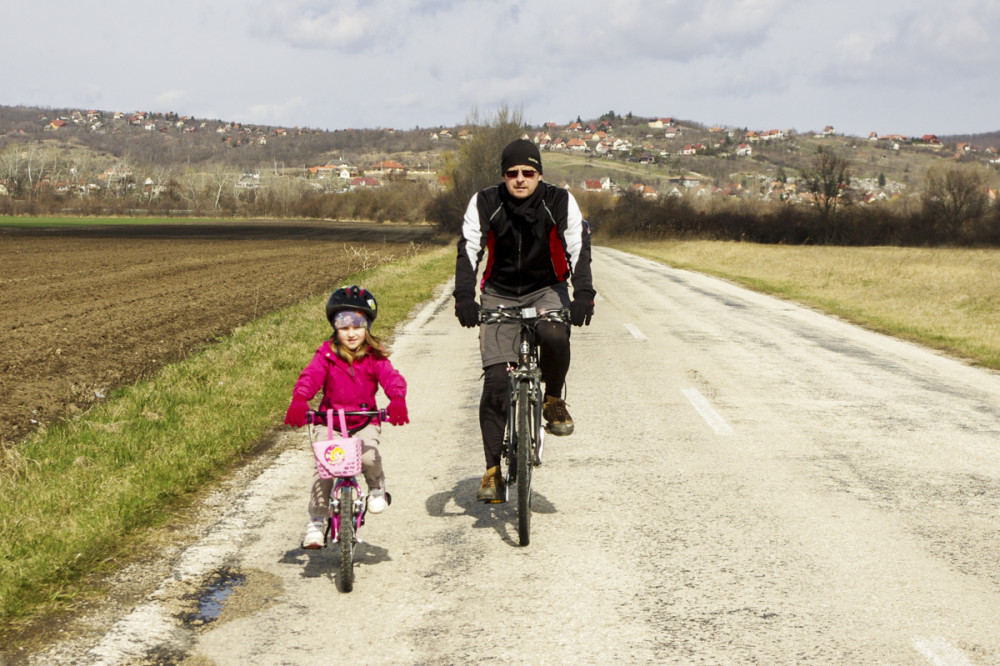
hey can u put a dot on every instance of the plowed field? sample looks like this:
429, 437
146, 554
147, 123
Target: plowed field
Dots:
86, 309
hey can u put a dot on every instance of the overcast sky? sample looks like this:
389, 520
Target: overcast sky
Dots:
893, 66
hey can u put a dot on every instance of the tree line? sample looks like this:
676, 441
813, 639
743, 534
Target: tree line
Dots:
954, 207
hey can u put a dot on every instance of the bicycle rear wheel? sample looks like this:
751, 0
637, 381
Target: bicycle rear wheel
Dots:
346, 538
524, 460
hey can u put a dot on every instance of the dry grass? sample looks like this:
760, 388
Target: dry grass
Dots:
942, 297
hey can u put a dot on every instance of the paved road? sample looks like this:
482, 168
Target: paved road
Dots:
750, 482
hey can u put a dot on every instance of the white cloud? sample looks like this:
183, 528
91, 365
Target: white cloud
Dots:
858, 64
171, 99
281, 113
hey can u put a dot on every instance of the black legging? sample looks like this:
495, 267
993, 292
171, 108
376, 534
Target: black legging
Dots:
553, 360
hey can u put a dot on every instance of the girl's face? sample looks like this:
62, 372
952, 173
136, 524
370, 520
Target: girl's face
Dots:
351, 337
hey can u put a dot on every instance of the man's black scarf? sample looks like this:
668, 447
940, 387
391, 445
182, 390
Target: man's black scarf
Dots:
525, 213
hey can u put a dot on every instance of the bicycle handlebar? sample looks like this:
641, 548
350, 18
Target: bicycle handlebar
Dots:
518, 314
318, 417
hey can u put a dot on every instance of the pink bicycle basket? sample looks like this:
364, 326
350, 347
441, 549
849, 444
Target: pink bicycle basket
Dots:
337, 456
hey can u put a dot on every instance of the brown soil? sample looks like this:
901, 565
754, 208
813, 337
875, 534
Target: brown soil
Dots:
86, 309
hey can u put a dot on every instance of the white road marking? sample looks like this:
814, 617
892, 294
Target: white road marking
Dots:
940, 652
636, 333
712, 417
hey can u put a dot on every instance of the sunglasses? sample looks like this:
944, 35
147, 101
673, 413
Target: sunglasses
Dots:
512, 173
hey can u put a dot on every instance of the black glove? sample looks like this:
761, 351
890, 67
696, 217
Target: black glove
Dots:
580, 312
467, 313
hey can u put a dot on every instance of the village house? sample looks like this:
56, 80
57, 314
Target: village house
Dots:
622, 146
248, 180
646, 191
363, 182
390, 167
325, 171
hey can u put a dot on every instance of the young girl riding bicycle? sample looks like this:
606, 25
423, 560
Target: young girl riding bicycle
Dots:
349, 368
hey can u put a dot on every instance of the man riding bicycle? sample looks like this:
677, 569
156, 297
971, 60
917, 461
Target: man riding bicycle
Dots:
536, 239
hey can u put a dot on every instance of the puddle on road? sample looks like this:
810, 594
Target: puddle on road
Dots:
231, 594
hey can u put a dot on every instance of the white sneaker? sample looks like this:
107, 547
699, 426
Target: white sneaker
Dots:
377, 500
315, 534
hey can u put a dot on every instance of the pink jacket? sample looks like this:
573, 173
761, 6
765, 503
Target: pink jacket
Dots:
348, 386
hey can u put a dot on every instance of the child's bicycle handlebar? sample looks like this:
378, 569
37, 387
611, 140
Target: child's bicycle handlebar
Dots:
318, 417
518, 314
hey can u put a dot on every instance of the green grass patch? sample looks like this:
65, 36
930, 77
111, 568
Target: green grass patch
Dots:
74, 498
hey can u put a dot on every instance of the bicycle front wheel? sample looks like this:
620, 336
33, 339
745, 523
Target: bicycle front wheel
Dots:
346, 538
524, 459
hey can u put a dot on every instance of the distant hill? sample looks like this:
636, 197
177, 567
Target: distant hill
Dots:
983, 139
657, 152
158, 138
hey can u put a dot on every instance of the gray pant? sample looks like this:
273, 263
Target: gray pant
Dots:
498, 343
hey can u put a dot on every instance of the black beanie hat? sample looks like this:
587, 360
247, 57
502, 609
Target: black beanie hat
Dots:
521, 151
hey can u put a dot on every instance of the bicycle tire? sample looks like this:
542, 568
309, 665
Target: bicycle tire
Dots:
346, 539
524, 456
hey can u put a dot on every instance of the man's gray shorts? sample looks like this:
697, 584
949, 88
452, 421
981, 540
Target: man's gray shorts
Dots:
498, 342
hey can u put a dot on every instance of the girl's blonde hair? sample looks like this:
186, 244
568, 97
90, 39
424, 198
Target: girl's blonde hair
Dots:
372, 345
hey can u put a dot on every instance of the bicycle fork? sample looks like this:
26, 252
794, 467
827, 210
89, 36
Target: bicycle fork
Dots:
358, 512
535, 405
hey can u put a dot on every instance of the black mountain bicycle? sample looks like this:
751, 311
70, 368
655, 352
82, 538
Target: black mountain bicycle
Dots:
524, 437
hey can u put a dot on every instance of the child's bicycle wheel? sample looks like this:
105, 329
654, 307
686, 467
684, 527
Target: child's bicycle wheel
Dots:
346, 538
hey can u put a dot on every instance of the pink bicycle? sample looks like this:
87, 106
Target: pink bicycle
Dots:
348, 504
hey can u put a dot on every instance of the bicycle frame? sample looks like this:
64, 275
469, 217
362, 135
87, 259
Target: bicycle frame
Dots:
524, 435
359, 507
525, 374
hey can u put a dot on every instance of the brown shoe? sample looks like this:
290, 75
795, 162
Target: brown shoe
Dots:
492, 487
559, 421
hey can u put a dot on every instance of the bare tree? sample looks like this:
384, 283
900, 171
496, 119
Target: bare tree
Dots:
477, 164
157, 180
12, 172
221, 180
956, 198
827, 179
281, 193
